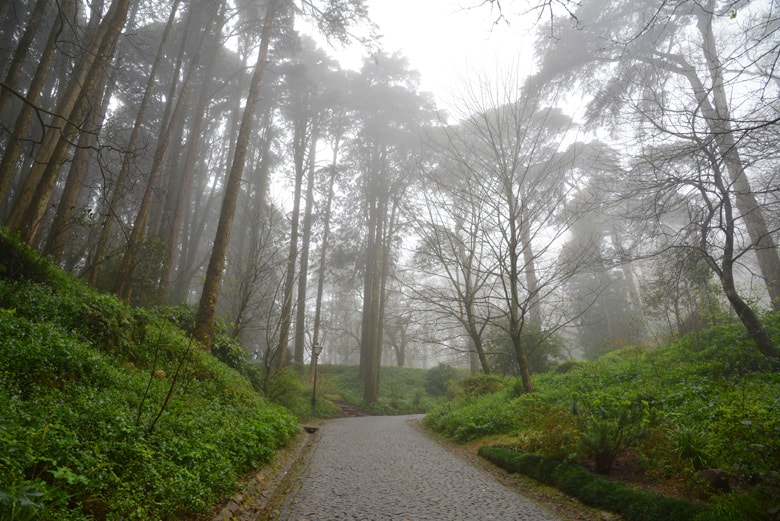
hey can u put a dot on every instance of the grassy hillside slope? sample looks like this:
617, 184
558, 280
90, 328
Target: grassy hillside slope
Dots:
699, 418
110, 412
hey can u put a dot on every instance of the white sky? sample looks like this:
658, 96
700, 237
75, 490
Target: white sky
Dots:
446, 41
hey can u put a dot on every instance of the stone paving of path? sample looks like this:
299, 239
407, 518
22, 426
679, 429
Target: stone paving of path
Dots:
383, 469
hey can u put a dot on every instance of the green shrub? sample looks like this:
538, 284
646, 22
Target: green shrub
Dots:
482, 384
745, 438
632, 504
438, 378
224, 348
182, 316
741, 507
690, 445
286, 389
708, 400
610, 427
551, 432
568, 366
111, 326
228, 351
24, 505
38, 355
473, 419
517, 388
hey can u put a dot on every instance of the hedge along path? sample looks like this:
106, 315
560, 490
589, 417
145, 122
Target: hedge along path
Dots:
632, 504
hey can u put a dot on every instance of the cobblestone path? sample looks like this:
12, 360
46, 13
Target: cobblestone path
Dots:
383, 469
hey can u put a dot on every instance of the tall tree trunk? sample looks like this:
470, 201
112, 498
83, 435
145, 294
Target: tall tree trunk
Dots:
13, 148
370, 335
725, 271
180, 192
467, 313
159, 220
303, 277
191, 260
369, 262
22, 48
474, 361
387, 245
285, 319
204, 322
475, 336
172, 119
529, 267
253, 274
93, 270
719, 118
68, 204
34, 199
378, 227
516, 316
324, 247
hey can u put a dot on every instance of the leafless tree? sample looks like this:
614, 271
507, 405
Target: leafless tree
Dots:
513, 165
686, 84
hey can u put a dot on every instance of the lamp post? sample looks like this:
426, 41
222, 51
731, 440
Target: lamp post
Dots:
316, 350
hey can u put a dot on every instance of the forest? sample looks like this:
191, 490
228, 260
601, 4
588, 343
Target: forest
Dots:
208, 153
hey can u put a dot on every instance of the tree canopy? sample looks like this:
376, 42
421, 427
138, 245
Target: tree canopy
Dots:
212, 154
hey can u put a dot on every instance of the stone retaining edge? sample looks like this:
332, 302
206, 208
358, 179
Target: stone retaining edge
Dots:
262, 489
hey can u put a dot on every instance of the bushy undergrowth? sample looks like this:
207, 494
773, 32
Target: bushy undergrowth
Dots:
440, 380
706, 401
110, 412
469, 419
402, 390
224, 348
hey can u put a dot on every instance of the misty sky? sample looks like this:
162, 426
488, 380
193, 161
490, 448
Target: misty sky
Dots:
446, 41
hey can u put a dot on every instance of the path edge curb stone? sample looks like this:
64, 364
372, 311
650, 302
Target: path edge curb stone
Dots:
267, 486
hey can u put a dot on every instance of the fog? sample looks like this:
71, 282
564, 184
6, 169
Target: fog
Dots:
500, 187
